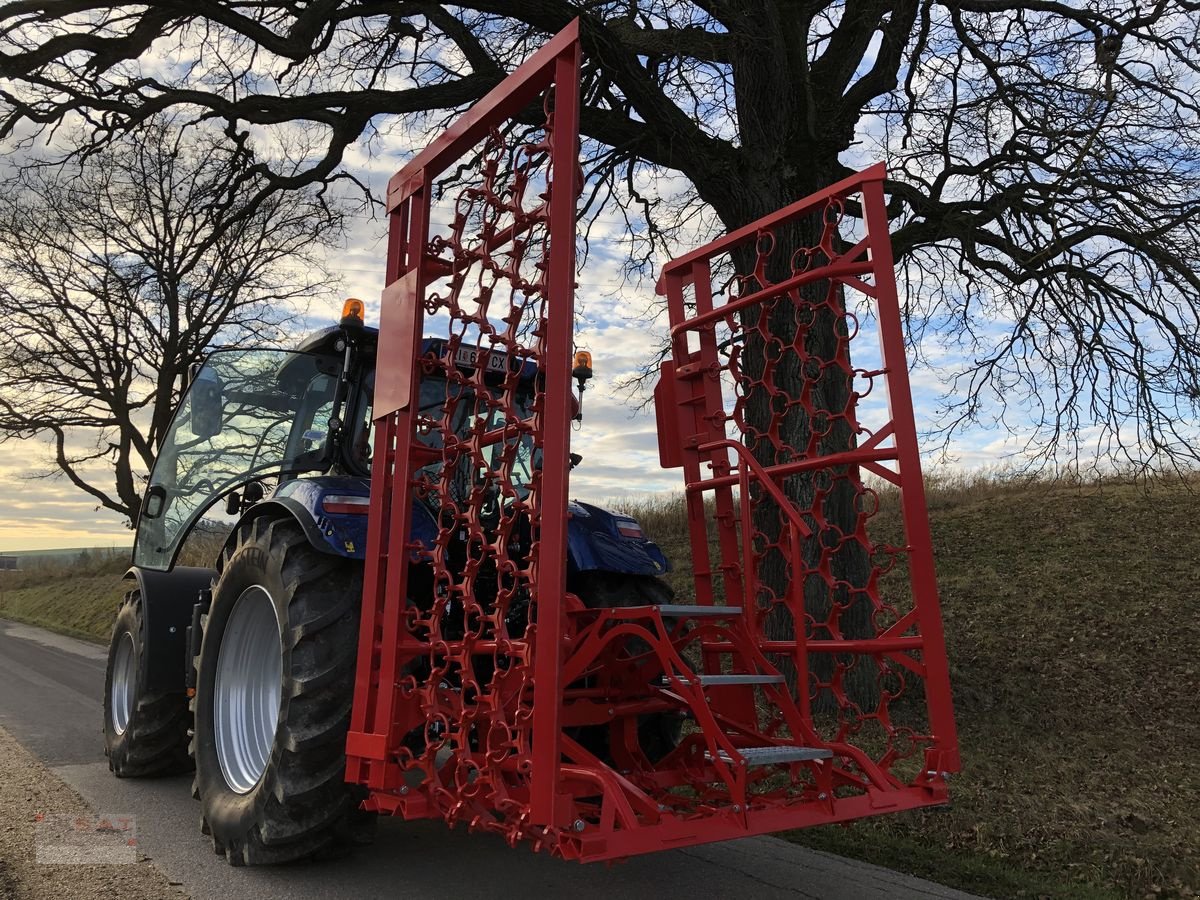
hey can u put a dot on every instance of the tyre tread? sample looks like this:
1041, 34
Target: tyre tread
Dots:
307, 809
156, 741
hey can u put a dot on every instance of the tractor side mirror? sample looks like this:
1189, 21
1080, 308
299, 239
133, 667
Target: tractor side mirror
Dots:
207, 406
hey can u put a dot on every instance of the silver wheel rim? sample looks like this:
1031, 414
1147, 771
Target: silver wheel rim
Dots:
248, 688
124, 680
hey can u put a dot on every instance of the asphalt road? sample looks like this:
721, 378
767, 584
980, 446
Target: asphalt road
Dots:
50, 694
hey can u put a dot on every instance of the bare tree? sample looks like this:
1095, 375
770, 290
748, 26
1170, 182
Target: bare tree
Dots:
1044, 159
1043, 154
117, 276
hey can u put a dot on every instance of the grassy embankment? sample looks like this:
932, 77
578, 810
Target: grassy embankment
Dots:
1072, 630
78, 598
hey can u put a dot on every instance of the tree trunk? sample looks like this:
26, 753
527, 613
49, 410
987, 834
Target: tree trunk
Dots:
795, 383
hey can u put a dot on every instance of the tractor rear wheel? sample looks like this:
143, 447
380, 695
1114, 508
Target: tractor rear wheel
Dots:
275, 681
144, 734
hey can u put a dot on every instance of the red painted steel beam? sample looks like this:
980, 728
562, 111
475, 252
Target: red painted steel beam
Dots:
912, 493
677, 831
866, 645
504, 101
768, 484
847, 185
551, 584
840, 269
782, 470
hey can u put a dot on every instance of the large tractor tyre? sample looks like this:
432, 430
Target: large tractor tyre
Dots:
658, 733
275, 681
144, 733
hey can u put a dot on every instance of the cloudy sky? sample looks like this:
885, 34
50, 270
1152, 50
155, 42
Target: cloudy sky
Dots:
617, 439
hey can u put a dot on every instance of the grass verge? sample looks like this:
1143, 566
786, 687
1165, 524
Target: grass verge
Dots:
79, 599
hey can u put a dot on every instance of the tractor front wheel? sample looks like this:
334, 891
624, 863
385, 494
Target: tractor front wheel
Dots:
145, 733
275, 681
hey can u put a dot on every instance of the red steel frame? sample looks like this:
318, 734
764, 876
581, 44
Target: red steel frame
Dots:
385, 643
693, 416
503, 701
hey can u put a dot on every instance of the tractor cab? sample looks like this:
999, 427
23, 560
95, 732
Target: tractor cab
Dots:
291, 430
248, 417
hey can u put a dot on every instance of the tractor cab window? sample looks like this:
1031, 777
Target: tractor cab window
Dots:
360, 421
461, 411
248, 415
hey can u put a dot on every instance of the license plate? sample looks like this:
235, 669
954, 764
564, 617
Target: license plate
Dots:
469, 356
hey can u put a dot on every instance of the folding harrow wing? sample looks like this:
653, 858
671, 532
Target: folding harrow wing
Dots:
806, 680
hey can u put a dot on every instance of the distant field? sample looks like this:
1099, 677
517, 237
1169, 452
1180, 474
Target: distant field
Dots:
1072, 627
40, 560
68, 552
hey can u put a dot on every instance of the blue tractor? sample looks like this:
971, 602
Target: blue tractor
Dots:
244, 669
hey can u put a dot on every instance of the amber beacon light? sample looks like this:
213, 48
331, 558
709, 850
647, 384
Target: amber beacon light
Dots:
353, 310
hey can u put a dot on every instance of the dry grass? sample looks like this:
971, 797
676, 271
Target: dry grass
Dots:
79, 597
1071, 628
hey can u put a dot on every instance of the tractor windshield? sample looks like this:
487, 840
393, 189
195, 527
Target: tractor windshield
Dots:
248, 415
460, 410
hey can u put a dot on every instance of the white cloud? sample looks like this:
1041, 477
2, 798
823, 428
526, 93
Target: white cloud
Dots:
617, 440
45, 513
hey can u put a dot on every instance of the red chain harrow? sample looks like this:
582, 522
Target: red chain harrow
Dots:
802, 686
